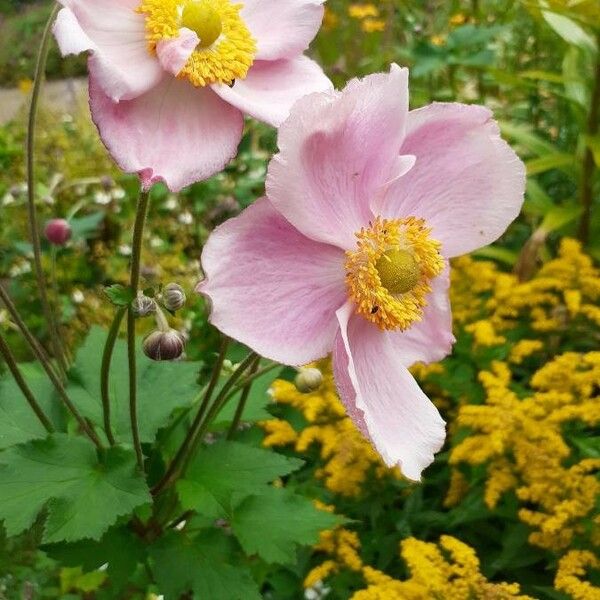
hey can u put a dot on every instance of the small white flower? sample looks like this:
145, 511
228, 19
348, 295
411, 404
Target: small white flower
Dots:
186, 218
78, 296
125, 250
102, 198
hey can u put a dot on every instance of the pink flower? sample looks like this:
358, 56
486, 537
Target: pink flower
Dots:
171, 79
348, 254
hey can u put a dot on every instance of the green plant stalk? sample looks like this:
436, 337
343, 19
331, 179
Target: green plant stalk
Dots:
171, 471
138, 235
239, 411
40, 69
11, 363
47, 366
107, 354
251, 378
35, 346
215, 409
589, 165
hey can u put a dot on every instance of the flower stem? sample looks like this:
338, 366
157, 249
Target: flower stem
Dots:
109, 347
35, 346
138, 235
215, 409
587, 174
40, 68
11, 363
239, 411
48, 368
172, 470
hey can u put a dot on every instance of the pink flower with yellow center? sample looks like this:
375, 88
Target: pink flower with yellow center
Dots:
170, 80
348, 253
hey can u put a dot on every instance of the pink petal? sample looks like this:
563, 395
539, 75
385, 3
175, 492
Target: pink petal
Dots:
115, 35
175, 133
431, 339
271, 288
272, 87
336, 151
382, 397
174, 53
282, 28
467, 182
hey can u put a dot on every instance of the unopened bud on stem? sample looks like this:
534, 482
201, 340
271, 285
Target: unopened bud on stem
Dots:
143, 306
164, 345
58, 232
173, 297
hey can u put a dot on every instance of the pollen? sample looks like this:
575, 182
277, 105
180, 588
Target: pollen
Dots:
389, 273
226, 49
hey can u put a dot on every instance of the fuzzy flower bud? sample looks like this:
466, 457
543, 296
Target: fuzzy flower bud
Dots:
58, 232
308, 380
164, 345
143, 306
173, 297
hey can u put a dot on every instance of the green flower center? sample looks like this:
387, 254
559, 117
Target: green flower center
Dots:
398, 271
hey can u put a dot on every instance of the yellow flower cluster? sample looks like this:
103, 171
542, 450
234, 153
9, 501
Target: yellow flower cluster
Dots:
563, 296
520, 440
347, 456
571, 568
368, 15
448, 570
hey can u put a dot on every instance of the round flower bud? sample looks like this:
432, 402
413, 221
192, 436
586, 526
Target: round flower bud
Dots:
308, 380
143, 306
164, 345
173, 297
58, 232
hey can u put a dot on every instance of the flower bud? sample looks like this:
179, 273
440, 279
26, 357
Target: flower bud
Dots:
164, 345
308, 380
143, 306
58, 232
173, 297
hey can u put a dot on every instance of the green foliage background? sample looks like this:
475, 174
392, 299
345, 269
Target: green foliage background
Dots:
536, 64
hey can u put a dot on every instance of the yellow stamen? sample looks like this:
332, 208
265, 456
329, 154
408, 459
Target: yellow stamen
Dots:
226, 50
389, 274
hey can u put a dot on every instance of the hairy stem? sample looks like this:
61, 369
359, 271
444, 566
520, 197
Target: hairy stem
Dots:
109, 347
215, 409
41, 356
239, 411
49, 317
172, 470
136, 256
34, 345
589, 165
11, 363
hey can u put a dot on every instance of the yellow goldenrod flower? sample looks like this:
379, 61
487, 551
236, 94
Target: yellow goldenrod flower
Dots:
373, 25
362, 11
571, 569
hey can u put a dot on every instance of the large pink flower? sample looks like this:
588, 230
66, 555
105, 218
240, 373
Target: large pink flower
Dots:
171, 79
348, 254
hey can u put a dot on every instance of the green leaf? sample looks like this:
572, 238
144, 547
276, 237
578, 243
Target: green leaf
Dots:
548, 162
593, 143
119, 295
559, 216
83, 497
569, 31
274, 523
180, 565
87, 226
162, 387
119, 547
226, 468
18, 423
